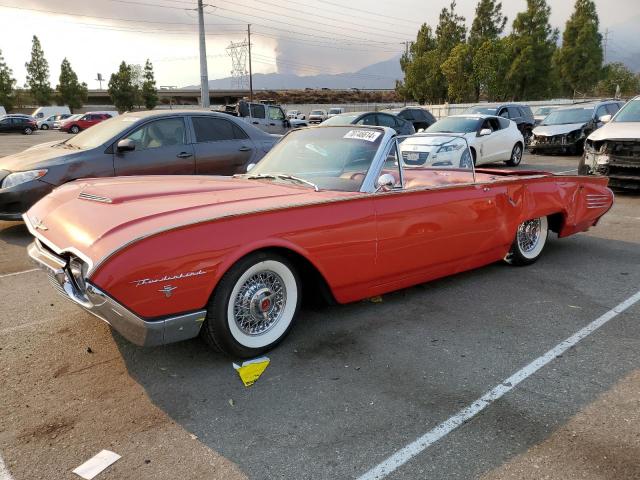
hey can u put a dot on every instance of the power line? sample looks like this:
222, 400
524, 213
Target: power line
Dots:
119, 19
367, 12
342, 22
363, 40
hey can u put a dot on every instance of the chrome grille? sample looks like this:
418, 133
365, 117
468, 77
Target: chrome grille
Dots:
421, 160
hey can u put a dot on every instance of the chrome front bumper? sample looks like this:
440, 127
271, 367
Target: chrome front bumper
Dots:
128, 324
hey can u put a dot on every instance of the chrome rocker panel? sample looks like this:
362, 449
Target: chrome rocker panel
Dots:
128, 324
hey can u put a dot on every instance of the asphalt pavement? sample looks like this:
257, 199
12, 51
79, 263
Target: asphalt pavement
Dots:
352, 384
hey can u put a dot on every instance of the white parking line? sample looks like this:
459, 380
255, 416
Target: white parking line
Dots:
416, 447
4, 471
19, 273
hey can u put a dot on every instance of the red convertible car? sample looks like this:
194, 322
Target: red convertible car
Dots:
345, 212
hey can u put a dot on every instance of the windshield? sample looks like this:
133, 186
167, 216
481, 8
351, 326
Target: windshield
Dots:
102, 132
482, 109
317, 112
544, 110
571, 115
436, 151
629, 113
331, 158
455, 125
345, 119
333, 111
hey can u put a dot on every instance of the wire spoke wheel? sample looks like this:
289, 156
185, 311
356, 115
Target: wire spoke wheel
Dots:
529, 235
253, 306
530, 239
259, 303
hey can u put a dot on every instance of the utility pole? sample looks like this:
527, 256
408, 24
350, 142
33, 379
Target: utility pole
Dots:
606, 40
250, 71
204, 77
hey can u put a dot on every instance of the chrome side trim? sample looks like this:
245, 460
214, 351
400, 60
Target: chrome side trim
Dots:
124, 321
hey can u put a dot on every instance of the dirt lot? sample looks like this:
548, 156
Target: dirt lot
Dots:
351, 385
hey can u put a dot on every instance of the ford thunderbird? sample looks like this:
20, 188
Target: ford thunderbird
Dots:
342, 212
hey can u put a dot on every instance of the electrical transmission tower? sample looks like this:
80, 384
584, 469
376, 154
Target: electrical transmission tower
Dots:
239, 53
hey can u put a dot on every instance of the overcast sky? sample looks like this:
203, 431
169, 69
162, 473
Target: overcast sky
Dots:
300, 36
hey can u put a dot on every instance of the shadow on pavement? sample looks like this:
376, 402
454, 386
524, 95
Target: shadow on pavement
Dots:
353, 383
15, 234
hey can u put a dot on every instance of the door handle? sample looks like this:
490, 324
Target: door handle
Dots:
272, 124
184, 155
244, 149
256, 123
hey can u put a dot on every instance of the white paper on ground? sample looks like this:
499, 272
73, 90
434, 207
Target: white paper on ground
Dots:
96, 464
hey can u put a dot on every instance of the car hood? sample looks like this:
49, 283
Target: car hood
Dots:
617, 130
38, 156
550, 130
98, 216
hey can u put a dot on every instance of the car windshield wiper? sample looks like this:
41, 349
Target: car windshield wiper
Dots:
299, 180
281, 176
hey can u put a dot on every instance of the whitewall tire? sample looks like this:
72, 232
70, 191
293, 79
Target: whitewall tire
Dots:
530, 239
254, 305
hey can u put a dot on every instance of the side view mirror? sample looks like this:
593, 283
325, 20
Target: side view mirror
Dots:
420, 130
484, 132
250, 167
385, 182
605, 118
126, 145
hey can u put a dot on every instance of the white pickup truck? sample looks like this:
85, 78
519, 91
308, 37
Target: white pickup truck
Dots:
268, 118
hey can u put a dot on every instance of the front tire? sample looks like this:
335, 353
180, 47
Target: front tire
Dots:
253, 306
74, 129
516, 156
531, 237
44, 127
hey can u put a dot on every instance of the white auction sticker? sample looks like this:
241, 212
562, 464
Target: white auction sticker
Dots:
368, 135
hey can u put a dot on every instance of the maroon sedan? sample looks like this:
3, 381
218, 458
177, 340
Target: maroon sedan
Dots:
87, 120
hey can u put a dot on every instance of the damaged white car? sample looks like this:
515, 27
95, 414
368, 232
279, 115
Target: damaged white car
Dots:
614, 150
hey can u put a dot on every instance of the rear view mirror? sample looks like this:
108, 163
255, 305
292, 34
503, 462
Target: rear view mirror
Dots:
126, 145
605, 118
484, 132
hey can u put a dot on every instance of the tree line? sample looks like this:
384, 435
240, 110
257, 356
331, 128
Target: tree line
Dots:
131, 86
453, 65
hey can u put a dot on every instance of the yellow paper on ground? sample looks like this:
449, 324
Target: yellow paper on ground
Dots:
251, 370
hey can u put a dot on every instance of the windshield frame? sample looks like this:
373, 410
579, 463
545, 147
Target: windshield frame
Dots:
368, 183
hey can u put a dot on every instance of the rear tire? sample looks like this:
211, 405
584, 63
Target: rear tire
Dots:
28, 131
253, 306
74, 129
531, 237
516, 156
44, 127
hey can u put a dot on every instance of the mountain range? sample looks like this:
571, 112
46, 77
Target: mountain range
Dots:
381, 75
